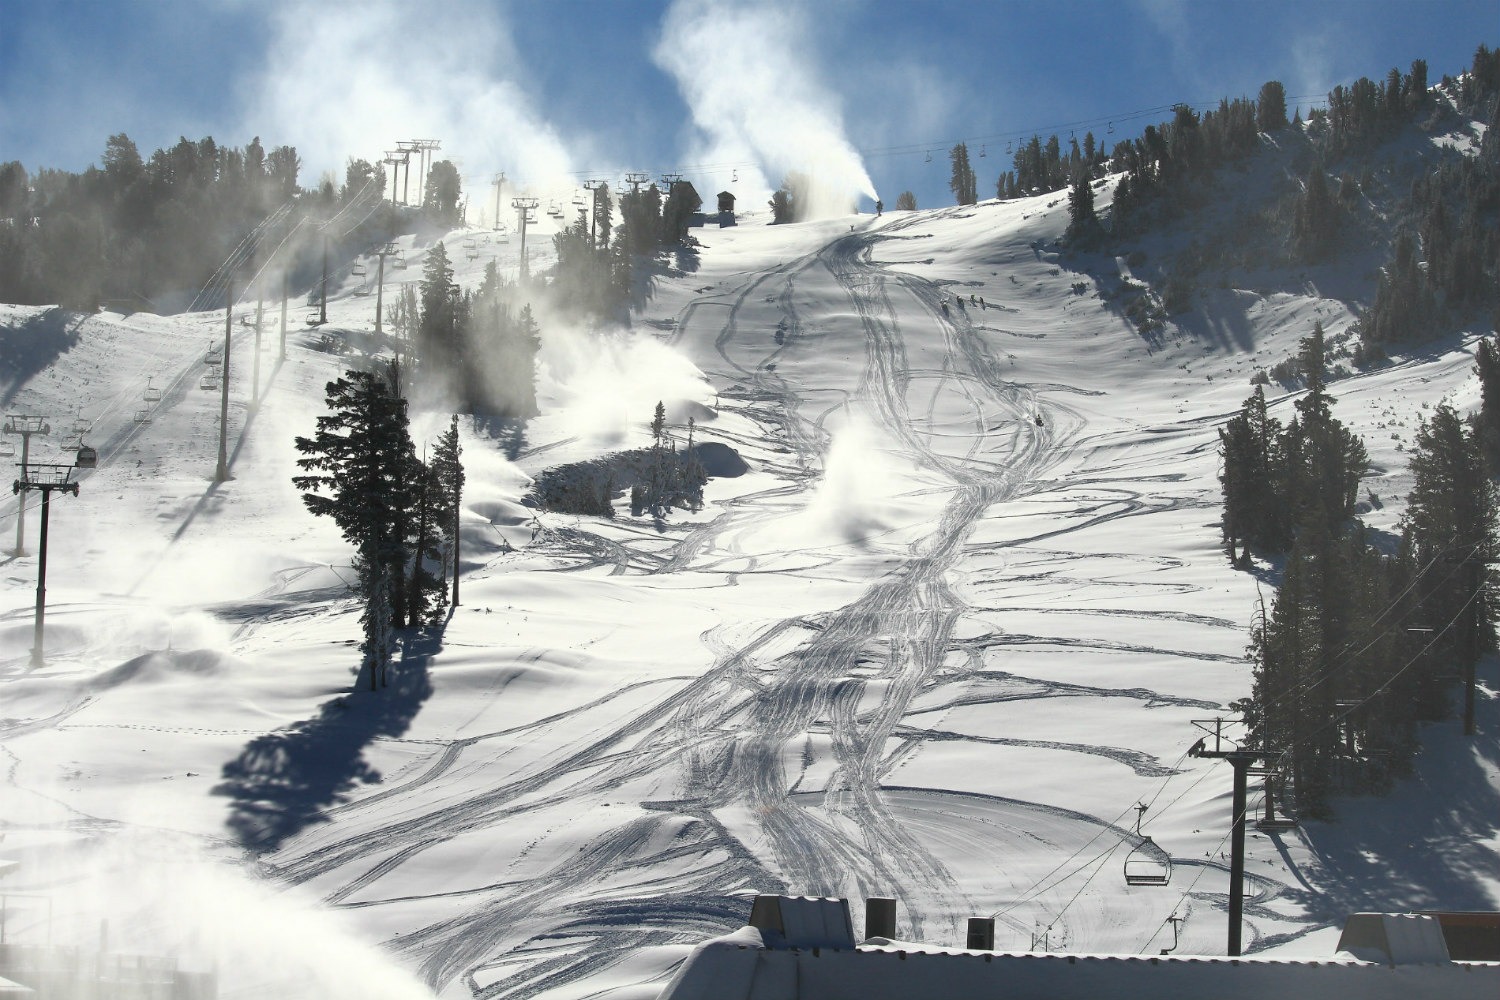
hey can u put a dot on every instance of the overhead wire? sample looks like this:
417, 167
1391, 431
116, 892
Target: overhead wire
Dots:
929, 145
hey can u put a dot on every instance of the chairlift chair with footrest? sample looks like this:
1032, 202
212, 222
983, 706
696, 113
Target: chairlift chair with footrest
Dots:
1148, 864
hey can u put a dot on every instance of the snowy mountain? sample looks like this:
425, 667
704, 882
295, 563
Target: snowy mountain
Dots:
965, 610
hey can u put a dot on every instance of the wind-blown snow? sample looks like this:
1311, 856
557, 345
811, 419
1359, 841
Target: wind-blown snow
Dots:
757, 103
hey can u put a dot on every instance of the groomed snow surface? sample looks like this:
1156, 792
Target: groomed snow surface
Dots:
956, 620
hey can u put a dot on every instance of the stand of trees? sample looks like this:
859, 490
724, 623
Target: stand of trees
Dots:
1358, 646
597, 262
659, 477
477, 344
135, 228
788, 202
1445, 262
399, 513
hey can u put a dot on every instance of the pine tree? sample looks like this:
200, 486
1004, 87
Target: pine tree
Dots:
1083, 225
1487, 367
1270, 107
359, 465
1247, 446
906, 202
449, 472
426, 593
962, 182
656, 490
1315, 221
1450, 525
437, 330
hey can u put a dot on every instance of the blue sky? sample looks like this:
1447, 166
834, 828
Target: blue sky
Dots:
546, 88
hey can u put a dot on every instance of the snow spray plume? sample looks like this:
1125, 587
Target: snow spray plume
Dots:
755, 99
599, 386
854, 498
145, 893
350, 79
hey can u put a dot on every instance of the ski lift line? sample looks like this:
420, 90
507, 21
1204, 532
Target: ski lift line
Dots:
1101, 859
217, 279
1348, 656
1202, 870
1037, 887
1337, 719
996, 137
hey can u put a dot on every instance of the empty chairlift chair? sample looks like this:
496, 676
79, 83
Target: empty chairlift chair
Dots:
152, 394
358, 270
214, 356
210, 380
1148, 864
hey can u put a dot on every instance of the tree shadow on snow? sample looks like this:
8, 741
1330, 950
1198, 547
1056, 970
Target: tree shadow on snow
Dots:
1414, 849
30, 346
285, 781
508, 432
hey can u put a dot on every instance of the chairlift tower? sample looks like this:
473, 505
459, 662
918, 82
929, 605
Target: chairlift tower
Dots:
46, 478
524, 207
395, 158
593, 186
406, 147
381, 255
425, 149
499, 187
25, 425
635, 180
1240, 760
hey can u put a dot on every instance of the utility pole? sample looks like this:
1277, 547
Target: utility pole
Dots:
255, 370
523, 207
48, 479
283, 316
24, 425
1475, 582
222, 473
323, 304
499, 186
384, 252
1240, 760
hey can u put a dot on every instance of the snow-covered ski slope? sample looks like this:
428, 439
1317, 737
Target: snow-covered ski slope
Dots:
956, 621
